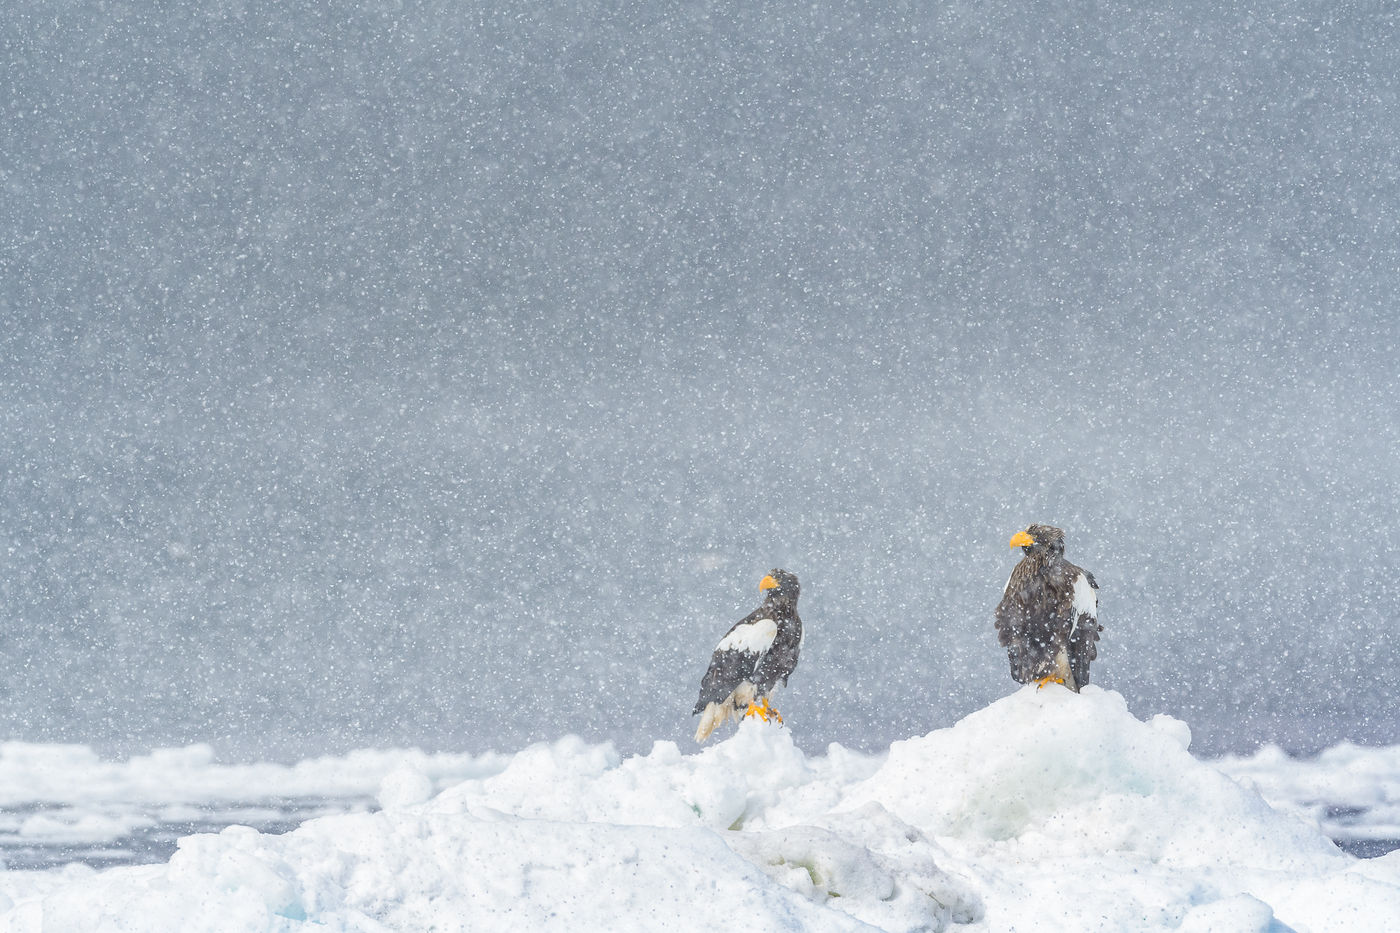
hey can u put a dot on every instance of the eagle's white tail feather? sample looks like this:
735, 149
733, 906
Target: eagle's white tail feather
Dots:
711, 719
731, 707
1063, 670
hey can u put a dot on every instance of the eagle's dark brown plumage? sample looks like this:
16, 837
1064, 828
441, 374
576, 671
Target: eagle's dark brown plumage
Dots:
1048, 617
755, 654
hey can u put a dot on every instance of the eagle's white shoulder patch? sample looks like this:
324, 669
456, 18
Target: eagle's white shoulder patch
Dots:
756, 637
1086, 601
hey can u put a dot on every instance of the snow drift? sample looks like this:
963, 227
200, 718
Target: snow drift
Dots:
66, 793
1352, 791
1046, 810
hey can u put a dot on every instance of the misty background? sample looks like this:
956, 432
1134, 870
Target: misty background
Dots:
448, 374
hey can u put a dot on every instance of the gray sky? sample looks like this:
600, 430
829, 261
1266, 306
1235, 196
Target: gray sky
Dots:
449, 375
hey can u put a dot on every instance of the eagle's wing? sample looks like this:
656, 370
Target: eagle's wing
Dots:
736, 657
781, 657
1085, 627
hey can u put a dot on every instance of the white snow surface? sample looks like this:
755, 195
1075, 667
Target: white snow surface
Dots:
75, 775
1045, 811
1351, 791
67, 793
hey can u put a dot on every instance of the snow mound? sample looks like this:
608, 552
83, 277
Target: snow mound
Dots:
1046, 810
1077, 773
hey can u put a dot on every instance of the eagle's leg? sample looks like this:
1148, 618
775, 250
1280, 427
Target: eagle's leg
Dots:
1050, 679
763, 711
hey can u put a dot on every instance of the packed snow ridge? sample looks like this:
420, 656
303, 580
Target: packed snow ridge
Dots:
1047, 810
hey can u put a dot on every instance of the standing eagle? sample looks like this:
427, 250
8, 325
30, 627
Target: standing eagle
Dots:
760, 650
1048, 617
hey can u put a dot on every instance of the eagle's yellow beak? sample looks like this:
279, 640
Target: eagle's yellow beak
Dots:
1021, 539
768, 583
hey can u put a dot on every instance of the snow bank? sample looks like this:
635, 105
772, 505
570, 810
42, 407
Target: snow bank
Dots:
1078, 774
1352, 792
74, 775
68, 794
1047, 810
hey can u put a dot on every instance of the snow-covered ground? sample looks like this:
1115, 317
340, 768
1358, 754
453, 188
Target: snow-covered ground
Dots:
1044, 811
1352, 792
64, 803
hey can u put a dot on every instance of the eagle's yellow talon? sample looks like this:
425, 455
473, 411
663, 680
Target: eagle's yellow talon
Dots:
763, 711
1040, 684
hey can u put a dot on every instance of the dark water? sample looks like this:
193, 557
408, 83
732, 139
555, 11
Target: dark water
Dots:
1367, 848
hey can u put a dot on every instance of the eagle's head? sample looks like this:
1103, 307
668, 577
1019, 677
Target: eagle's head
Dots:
779, 587
1040, 541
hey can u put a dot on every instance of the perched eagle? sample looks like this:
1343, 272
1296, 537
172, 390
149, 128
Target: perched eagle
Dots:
1048, 617
760, 650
